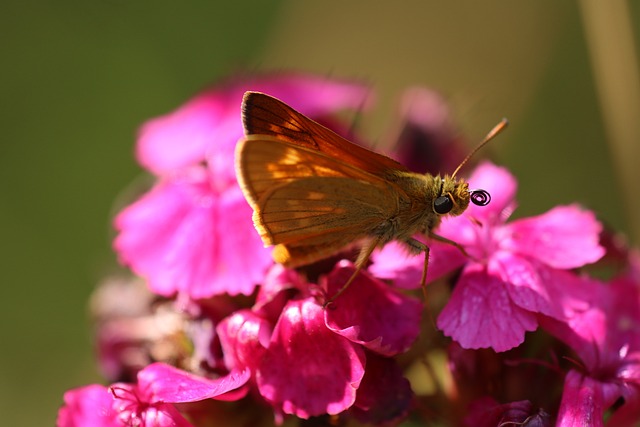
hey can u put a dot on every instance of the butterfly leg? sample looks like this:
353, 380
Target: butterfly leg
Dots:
450, 242
363, 257
415, 246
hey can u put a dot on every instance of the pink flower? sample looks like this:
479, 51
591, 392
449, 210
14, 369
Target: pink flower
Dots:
311, 361
515, 270
387, 323
206, 128
147, 403
606, 337
185, 237
192, 233
90, 405
308, 370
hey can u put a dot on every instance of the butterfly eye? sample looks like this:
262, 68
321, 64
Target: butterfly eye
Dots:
442, 205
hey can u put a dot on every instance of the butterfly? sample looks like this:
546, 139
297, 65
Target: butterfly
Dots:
314, 193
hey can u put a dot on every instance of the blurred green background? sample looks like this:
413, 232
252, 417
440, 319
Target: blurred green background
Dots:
78, 77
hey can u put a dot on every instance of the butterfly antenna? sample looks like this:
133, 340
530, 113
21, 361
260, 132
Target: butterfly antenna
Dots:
492, 134
357, 117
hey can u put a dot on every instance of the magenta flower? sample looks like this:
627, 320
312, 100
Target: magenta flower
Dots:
606, 337
387, 324
91, 405
192, 233
149, 403
207, 127
207, 297
515, 270
309, 370
312, 361
184, 237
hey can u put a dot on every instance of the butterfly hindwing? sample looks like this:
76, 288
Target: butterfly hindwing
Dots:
311, 218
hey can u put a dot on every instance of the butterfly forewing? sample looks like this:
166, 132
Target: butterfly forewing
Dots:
265, 115
265, 162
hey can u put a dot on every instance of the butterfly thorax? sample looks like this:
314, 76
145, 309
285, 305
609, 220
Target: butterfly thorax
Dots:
420, 208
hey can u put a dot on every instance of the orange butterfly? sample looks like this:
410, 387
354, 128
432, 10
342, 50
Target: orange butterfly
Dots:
314, 193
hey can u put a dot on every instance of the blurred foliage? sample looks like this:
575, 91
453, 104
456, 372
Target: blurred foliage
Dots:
79, 77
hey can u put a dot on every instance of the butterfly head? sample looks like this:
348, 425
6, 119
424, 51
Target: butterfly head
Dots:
454, 197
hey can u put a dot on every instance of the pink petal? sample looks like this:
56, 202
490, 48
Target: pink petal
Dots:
393, 263
166, 383
183, 237
208, 126
308, 370
135, 407
244, 337
564, 237
501, 185
475, 230
387, 324
476, 238
623, 309
90, 405
162, 415
582, 402
603, 331
242, 258
481, 314
532, 286
278, 286
180, 139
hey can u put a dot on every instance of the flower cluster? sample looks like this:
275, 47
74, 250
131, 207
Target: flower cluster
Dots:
209, 330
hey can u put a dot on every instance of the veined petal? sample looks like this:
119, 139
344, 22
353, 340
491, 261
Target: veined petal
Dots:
277, 287
165, 383
184, 238
582, 402
207, 126
564, 237
180, 139
136, 406
162, 415
392, 262
244, 337
90, 405
481, 313
308, 370
537, 288
387, 324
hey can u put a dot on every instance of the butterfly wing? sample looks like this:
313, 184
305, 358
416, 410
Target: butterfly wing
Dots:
264, 162
265, 115
310, 205
312, 218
